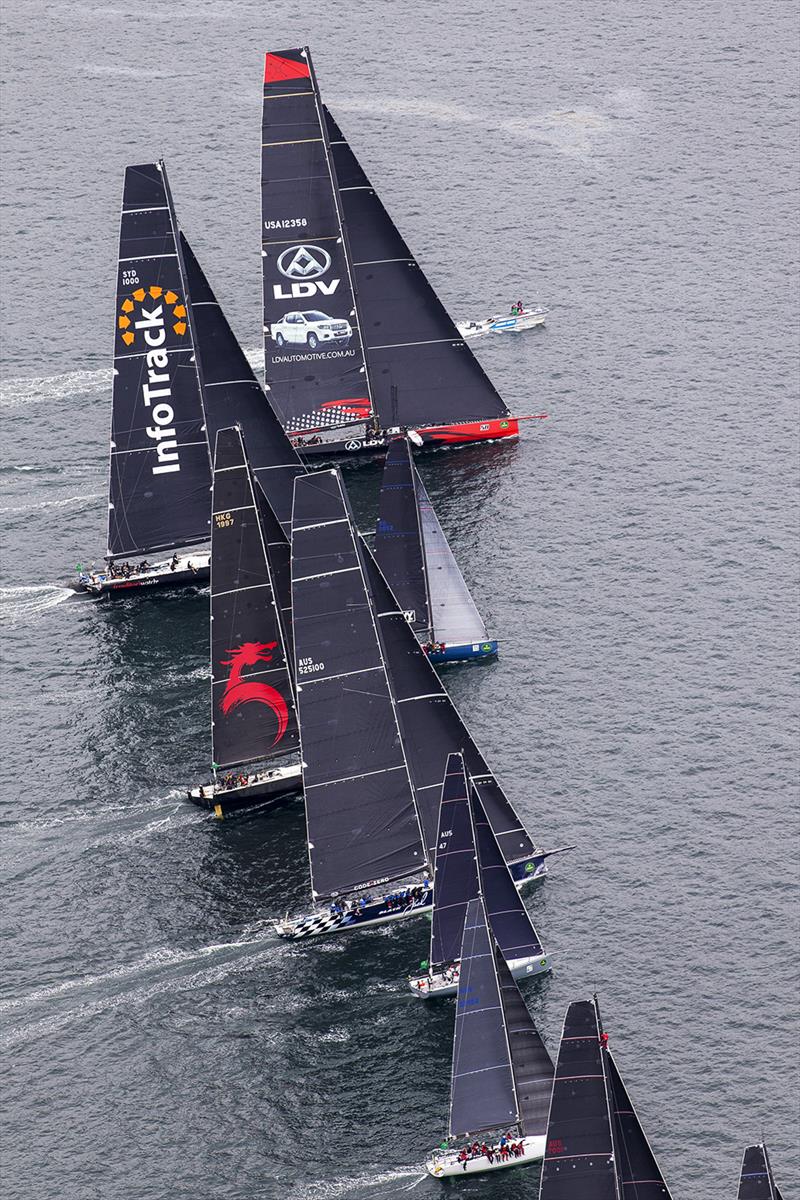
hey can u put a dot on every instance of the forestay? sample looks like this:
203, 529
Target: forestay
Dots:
510, 924
232, 394
160, 475
253, 713
360, 812
421, 370
398, 538
482, 1093
579, 1156
455, 876
313, 357
431, 725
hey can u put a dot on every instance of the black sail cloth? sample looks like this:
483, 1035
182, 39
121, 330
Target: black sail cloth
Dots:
313, 357
160, 473
398, 544
360, 812
253, 712
421, 370
639, 1174
756, 1181
531, 1065
455, 874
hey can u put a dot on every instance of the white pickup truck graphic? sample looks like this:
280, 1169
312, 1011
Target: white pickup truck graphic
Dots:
311, 329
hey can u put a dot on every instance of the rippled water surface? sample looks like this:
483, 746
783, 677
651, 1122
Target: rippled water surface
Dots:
633, 167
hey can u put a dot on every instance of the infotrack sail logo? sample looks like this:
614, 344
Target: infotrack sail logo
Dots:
142, 322
304, 266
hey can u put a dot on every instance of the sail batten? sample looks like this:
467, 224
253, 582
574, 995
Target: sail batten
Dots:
253, 709
360, 811
159, 469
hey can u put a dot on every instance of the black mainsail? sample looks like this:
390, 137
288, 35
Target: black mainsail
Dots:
422, 371
231, 393
639, 1174
160, 475
756, 1181
509, 921
313, 357
482, 1092
360, 812
579, 1155
455, 873
430, 724
253, 711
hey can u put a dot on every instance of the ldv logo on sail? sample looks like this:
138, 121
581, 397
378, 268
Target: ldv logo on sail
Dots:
304, 264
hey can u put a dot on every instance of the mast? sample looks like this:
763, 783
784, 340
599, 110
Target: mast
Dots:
756, 1181
579, 1155
412, 344
482, 1092
455, 868
398, 544
252, 705
159, 469
430, 723
314, 361
360, 812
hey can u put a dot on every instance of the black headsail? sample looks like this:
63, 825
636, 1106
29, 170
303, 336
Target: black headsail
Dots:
482, 1095
398, 538
508, 918
455, 876
430, 723
160, 473
232, 394
756, 1181
360, 812
579, 1155
421, 370
253, 713
313, 357
531, 1064
639, 1174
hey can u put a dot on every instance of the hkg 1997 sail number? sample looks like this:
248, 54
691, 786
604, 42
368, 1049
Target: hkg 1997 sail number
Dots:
223, 520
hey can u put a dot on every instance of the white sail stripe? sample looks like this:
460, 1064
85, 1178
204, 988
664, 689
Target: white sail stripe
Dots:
324, 574
226, 382
156, 208
147, 257
343, 675
236, 467
251, 587
349, 778
284, 95
394, 612
276, 670
293, 142
143, 449
359, 187
502, 1066
276, 467
325, 237
205, 304
373, 262
144, 353
427, 696
321, 525
431, 342
241, 508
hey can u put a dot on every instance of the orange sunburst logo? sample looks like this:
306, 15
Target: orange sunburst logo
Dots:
126, 325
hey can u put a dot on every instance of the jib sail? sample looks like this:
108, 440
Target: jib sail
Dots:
421, 370
639, 1173
360, 813
253, 712
531, 1065
482, 1095
455, 620
398, 538
313, 355
430, 723
160, 474
232, 394
756, 1181
455, 875
579, 1154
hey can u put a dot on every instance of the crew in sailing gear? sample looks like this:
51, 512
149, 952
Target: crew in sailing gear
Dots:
174, 562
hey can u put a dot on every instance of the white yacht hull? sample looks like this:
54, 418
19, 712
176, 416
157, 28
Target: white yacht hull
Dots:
445, 983
445, 1163
190, 569
258, 788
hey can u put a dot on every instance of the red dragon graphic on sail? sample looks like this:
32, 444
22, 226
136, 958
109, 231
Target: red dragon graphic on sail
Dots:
245, 691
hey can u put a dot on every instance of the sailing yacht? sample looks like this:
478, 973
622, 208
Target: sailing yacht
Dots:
416, 560
254, 731
502, 1073
159, 466
468, 864
595, 1143
756, 1181
357, 345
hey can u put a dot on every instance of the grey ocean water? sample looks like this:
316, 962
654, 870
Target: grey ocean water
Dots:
634, 167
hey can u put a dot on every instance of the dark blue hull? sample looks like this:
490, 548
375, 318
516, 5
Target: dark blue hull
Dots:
464, 653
